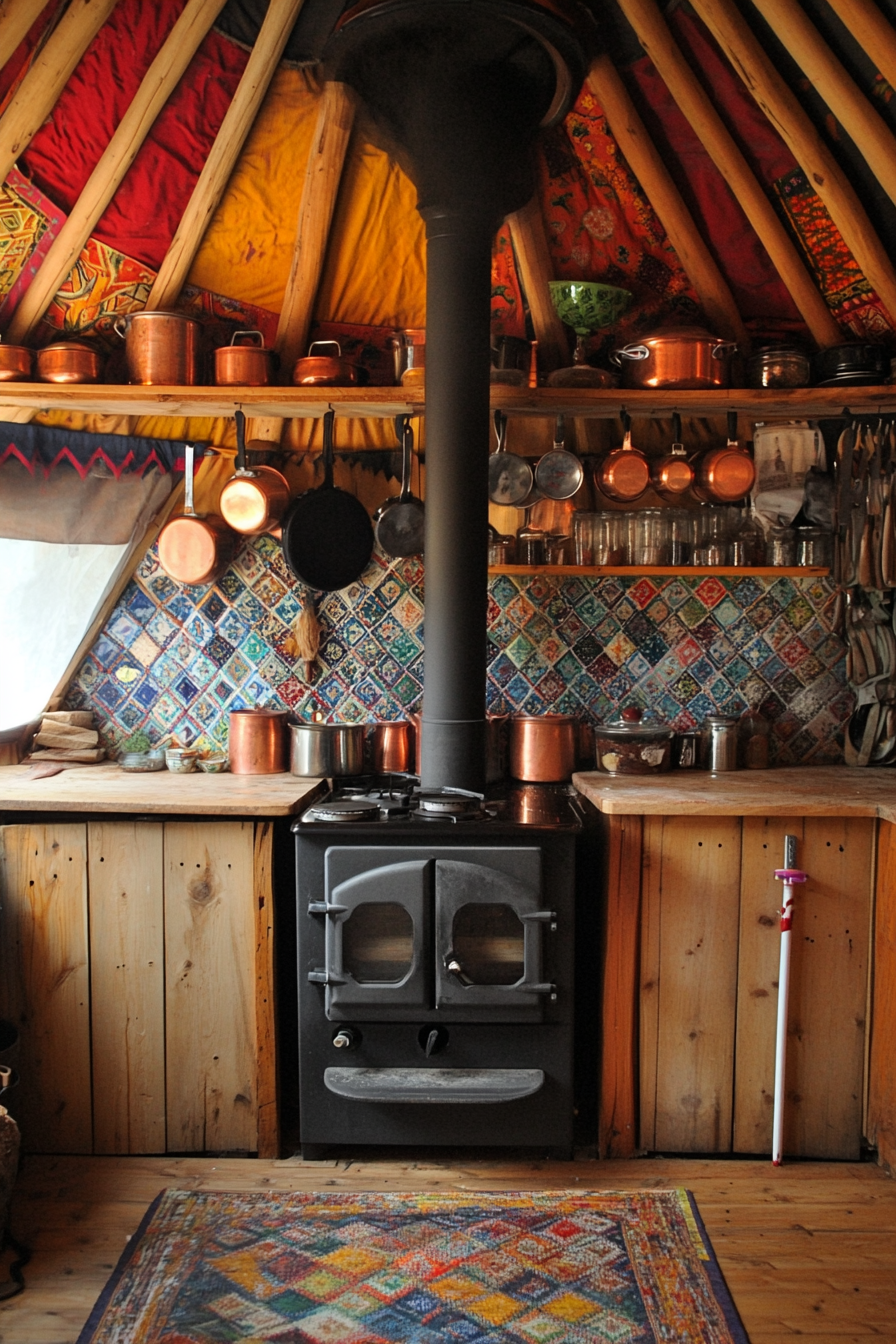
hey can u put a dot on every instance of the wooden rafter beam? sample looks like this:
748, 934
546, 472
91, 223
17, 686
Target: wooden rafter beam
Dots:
16, 18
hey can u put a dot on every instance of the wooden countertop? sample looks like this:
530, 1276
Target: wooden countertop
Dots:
107, 788
792, 791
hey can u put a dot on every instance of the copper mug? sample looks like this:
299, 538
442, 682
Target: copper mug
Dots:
257, 741
543, 748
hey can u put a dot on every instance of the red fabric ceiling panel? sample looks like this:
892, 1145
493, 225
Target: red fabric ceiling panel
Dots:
142, 218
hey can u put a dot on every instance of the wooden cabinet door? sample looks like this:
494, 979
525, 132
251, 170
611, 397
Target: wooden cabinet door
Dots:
127, 977
210, 1010
828, 985
45, 982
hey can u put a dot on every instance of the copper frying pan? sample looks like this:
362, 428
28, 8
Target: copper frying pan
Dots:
195, 548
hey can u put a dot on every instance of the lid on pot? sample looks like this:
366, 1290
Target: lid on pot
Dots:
542, 718
259, 712
663, 334
630, 724
68, 345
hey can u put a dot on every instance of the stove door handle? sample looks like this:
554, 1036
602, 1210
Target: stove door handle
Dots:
325, 977
322, 908
543, 917
453, 967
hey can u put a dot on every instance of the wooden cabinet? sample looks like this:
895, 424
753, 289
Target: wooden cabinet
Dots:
693, 928
136, 961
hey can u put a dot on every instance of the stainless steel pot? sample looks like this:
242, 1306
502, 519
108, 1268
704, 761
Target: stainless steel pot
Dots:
326, 750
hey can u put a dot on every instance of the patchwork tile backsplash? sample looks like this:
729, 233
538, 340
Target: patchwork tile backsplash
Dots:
174, 660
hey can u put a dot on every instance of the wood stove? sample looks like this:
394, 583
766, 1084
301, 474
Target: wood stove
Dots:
436, 943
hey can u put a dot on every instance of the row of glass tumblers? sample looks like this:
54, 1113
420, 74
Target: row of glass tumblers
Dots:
714, 534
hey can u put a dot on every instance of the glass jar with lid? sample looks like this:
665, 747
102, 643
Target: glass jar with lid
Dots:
779, 365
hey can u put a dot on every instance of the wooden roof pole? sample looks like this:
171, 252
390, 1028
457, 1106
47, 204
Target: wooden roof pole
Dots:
746, 54
659, 44
158, 84
647, 164
323, 174
533, 257
39, 91
237, 123
16, 18
872, 31
873, 138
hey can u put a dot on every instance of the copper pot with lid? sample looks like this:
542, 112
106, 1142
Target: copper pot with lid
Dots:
257, 741
724, 475
676, 357
245, 362
195, 548
543, 748
324, 366
624, 474
15, 362
69, 362
253, 500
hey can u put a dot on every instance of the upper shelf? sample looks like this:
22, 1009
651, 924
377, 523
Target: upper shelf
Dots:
17, 399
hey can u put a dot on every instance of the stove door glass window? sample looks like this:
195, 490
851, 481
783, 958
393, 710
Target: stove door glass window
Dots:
488, 942
491, 926
378, 943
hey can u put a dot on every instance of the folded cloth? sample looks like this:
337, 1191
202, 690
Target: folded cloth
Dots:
784, 453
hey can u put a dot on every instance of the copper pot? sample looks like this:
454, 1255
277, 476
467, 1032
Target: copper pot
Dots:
253, 501
69, 362
672, 474
676, 357
245, 363
327, 370
392, 747
543, 748
15, 363
624, 474
161, 348
724, 475
194, 548
257, 741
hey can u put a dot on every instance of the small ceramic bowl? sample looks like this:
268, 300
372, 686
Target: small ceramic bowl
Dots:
213, 765
180, 760
138, 761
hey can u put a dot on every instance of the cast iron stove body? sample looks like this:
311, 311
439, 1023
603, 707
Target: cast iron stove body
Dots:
436, 966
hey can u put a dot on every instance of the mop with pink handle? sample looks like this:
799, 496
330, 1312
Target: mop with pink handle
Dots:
790, 875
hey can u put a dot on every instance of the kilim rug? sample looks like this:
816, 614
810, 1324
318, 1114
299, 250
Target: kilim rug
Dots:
522, 1268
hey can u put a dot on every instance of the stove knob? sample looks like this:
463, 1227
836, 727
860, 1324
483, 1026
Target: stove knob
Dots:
346, 1039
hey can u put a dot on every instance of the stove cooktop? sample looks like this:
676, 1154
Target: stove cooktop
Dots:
399, 800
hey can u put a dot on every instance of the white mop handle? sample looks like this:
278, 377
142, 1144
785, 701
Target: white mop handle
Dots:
790, 877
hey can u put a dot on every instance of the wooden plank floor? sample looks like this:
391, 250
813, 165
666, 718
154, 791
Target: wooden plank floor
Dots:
808, 1249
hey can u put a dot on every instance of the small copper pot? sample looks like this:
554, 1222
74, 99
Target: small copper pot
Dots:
69, 362
624, 474
317, 369
257, 741
724, 475
195, 548
15, 363
246, 362
392, 747
253, 501
543, 748
672, 474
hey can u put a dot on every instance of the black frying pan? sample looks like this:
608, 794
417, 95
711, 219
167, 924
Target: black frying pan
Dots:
327, 533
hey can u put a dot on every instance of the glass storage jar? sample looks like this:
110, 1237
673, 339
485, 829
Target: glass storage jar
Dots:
781, 546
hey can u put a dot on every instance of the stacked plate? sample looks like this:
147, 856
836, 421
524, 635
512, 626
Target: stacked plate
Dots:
856, 364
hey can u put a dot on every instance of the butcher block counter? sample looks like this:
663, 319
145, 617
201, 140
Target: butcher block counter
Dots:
107, 788
691, 953
138, 918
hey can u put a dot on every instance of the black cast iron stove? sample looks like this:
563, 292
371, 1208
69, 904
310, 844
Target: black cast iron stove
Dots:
436, 966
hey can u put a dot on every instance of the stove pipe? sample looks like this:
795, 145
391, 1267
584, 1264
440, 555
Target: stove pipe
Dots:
459, 89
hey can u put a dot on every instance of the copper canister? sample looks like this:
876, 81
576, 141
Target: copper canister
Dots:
392, 747
257, 741
543, 748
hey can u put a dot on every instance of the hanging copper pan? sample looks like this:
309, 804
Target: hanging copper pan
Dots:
253, 501
195, 548
624, 474
672, 474
724, 475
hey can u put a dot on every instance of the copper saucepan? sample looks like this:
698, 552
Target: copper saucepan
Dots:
724, 475
245, 363
69, 362
624, 474
15, 363
253, 501
319, 369
672, 474
195, 548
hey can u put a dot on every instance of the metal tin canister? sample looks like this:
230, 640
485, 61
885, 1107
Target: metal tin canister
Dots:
686, 750
718, 744
257, 741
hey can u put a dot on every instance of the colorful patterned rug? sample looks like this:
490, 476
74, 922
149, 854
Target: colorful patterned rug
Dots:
522, 1268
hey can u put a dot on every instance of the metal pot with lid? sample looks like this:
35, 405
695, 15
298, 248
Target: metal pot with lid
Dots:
629, 746
676, 357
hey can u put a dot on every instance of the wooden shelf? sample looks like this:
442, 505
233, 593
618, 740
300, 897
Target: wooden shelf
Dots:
386, 402
681, 571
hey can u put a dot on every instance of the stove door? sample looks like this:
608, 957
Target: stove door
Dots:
378, 930
490, 928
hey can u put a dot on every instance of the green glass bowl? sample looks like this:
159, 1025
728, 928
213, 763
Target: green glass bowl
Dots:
587, 305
